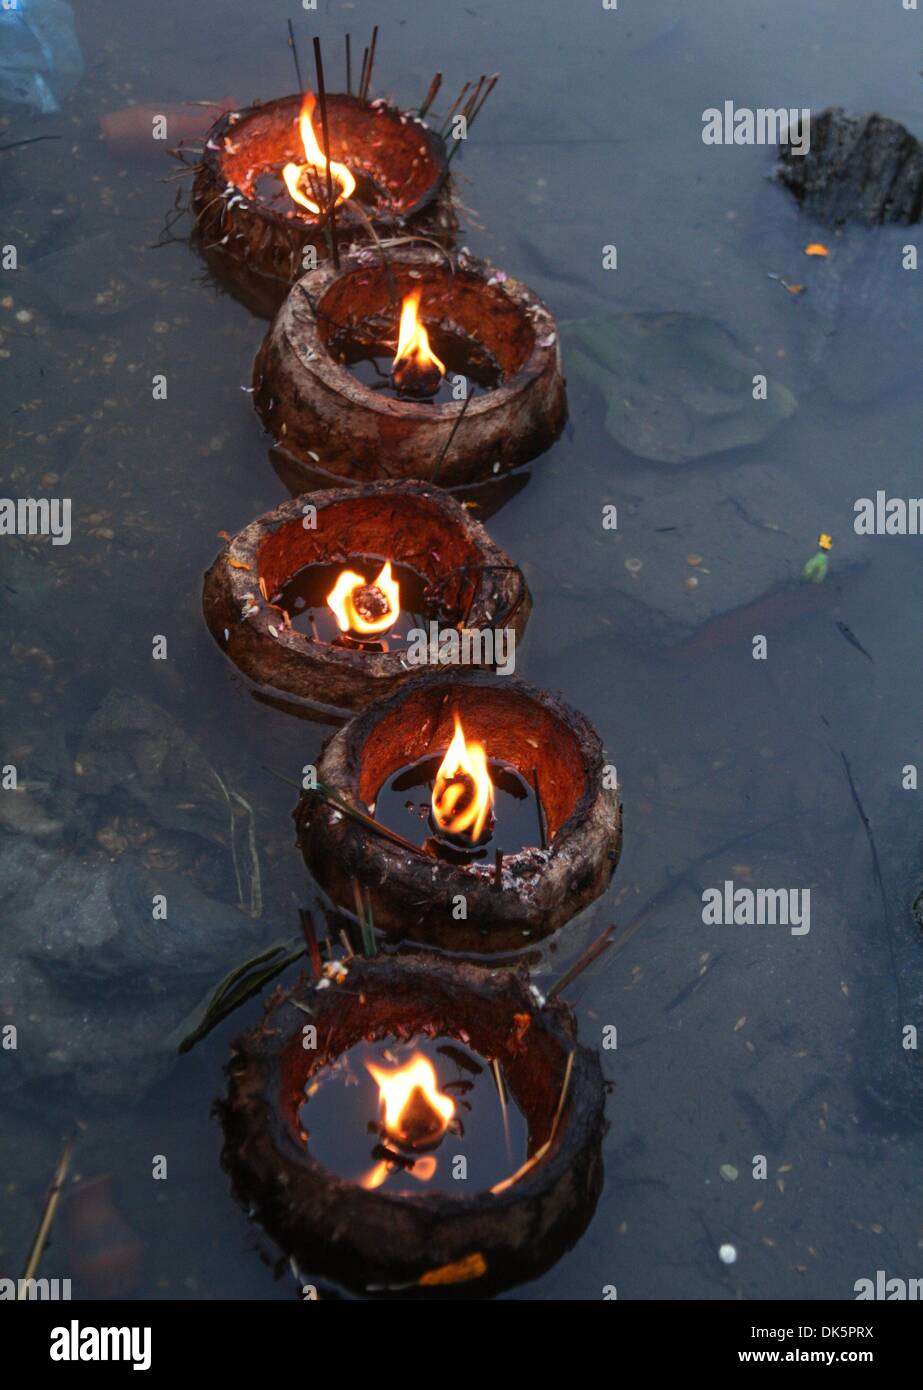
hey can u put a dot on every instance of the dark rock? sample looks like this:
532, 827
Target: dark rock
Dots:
866, 169
91, 928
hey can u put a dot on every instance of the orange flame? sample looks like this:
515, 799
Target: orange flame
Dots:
342, 600
414, 354
293, 174
463, 793
414, 1112
424, 1170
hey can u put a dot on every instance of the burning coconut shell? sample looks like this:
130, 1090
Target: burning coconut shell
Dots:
319, 410
255, 245
509, 900
434, 1243
472, 582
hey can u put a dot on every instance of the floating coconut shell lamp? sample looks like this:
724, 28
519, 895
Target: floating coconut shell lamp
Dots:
344, 380
494, 882
270, 597
423, 1242
255, 226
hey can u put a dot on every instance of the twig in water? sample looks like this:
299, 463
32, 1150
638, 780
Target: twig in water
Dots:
256, 890
310, 936
589, 955
684, 877
48, 1215
330, 795
540, 1153
294, 47
504, 1110
650, 907
879, 879
33, 140
452, 434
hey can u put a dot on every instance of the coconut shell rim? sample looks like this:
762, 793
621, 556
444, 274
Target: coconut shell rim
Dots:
231, 120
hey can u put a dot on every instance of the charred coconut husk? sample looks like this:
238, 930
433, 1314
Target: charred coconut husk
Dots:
472, 582
257, 249
415, 894
435, 1243
314, 406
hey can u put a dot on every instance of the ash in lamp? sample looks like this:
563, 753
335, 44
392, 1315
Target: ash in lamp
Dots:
462, 805
398, 1115
425, 361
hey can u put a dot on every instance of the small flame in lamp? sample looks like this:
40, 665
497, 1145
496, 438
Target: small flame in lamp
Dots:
414, 1112
315, 164
416, 370
463, 794
423, 1169
362, 607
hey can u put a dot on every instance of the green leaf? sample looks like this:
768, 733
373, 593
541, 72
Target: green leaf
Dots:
241, 984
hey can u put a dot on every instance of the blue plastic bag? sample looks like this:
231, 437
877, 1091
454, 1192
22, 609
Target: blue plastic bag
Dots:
40, 58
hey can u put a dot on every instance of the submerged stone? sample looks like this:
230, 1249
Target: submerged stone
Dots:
865, 168
677, 387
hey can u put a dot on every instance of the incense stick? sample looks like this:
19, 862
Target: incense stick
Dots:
498, 870
471, 112
469, 104
448, 120
368, 69
48, 1215
331, 200
349, 66
589, 955
294, 47
492, 82
430, 95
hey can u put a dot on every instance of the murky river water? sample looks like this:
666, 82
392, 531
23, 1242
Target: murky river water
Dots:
734, 1041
